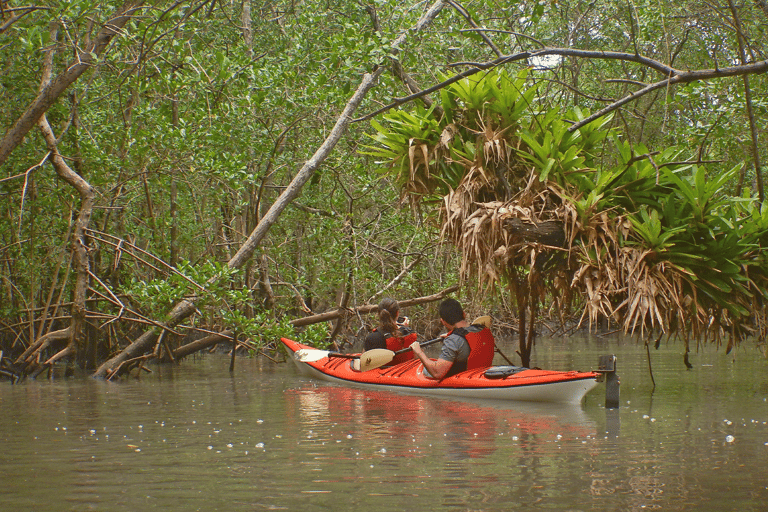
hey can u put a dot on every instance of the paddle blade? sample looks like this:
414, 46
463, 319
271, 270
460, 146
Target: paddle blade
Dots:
376, 358
485, 321
306, 355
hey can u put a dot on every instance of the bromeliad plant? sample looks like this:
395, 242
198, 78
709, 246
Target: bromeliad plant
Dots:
645, 239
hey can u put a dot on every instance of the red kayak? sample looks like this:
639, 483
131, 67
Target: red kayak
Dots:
496, 382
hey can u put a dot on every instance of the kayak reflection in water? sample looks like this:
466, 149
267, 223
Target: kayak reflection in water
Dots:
465, 347
393, 332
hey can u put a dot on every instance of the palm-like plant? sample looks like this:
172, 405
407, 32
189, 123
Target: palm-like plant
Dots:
647, 240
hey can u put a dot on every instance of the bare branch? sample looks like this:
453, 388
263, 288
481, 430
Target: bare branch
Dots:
763, 4
748, 103
481, 31
399, 277
24, 11
672, 76
370, 308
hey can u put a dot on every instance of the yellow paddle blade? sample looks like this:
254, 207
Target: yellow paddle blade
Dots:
375, 358
485, 320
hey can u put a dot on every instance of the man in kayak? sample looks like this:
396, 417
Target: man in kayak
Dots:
393, 332
465, 347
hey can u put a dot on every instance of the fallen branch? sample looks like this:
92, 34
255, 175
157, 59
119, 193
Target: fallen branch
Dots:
202, 344
369, 308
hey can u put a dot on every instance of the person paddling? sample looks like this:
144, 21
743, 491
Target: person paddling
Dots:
393, 332
465, 347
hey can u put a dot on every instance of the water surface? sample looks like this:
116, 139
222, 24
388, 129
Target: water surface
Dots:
195, 437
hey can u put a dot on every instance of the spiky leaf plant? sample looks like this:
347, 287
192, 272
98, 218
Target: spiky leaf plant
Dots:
645, 239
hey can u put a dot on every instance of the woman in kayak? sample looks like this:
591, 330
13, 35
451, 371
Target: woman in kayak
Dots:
465, 347
393, 332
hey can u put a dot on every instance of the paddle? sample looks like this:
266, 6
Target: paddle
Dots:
310, 355
484, 320
378, 357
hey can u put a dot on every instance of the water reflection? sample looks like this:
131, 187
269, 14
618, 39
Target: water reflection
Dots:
469, 429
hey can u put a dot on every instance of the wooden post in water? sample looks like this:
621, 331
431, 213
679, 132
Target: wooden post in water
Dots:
607, 367
234, 349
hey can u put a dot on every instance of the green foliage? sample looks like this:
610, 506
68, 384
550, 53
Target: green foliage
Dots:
429, 156
261, 329
181, 101
209, 280
680, 248
224, 303
315, 335
649, 229
407, 130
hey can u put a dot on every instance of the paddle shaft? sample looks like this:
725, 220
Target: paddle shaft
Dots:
339, 354
381, 356
378, 357
355, 356
479, 321
483, 320
430, 342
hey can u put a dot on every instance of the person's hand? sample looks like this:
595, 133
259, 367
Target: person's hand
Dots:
416, 347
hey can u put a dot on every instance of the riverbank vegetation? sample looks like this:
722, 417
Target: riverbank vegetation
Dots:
189, 174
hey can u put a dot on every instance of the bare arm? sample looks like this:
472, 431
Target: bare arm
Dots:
437, 369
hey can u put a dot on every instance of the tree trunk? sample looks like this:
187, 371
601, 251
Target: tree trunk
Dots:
526, 317
56, 87
78, 243
749, 107
547, 233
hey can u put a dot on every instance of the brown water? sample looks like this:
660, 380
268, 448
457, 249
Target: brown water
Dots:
195, 437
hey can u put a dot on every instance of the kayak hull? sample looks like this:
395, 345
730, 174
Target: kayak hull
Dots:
530, 385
